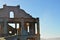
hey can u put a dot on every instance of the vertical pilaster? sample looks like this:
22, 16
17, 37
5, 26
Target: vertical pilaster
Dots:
33, 27
38, 29
16, 27
5, 28
22, 27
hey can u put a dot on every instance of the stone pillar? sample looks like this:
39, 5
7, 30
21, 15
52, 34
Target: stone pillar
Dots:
16, 28
38, 29
32, 28
5, 28
23, 32
22, 27
15, 25
33, 25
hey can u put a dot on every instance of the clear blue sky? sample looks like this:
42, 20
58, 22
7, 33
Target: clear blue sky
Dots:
47, 10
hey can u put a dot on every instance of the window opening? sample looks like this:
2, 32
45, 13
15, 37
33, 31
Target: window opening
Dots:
17, 28
14, 27
17, 25
27, 27
11, 14
12, 24
35, 28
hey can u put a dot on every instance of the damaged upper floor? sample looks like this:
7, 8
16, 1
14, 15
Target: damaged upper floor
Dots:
13, 12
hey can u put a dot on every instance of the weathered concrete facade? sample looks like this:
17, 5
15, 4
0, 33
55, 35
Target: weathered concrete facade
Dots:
28, 26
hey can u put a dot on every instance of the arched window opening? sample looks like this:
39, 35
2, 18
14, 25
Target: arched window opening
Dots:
11, 14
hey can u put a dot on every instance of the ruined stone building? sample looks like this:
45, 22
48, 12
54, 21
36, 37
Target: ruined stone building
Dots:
16, 24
